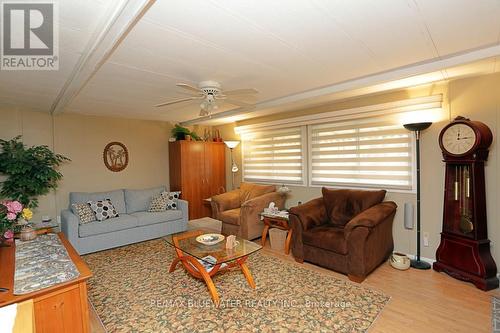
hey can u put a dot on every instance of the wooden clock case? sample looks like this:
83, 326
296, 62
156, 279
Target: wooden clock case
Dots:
464, 251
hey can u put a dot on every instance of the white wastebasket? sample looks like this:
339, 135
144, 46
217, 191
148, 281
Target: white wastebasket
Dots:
277, 238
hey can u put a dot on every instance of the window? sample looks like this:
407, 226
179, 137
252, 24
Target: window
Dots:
369, 152
274, 155
363, 147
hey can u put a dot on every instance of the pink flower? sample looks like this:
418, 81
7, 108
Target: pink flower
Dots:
14, 206
11, 216
8, 234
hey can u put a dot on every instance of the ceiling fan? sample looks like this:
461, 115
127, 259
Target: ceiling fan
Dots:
209, 92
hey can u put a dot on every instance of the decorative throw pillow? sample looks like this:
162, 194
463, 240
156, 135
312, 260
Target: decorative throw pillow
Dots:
172, 199
158, 204
84, 212
103, 209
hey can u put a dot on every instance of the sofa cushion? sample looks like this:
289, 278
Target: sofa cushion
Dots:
139, 200
249, 191
103, 209
121, 222
231, 216
84, 212
157, 204
326, 237
117, 198
342, 205
172, 199
146, 218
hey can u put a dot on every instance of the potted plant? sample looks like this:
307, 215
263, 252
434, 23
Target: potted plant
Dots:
11, 213
31, 171
180, 133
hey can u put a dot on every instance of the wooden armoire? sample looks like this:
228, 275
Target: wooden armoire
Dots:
198, 170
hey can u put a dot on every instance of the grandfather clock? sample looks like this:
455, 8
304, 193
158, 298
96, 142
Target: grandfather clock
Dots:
464, 251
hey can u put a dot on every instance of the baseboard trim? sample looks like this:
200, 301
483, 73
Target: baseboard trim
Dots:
430, 261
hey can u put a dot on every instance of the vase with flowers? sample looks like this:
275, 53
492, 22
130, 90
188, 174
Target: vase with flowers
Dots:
11, 213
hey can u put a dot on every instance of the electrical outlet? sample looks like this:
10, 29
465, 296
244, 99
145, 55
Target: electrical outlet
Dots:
426, 239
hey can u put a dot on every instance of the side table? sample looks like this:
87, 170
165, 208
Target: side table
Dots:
280, 223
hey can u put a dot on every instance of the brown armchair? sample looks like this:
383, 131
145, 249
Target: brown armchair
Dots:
349, 231
239, 209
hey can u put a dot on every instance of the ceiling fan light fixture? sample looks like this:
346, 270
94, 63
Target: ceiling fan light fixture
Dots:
209, 92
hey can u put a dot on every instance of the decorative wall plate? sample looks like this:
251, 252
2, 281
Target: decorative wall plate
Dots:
115, 156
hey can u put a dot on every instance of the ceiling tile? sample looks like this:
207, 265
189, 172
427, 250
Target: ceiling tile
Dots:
38, 89
459, 25
389, 29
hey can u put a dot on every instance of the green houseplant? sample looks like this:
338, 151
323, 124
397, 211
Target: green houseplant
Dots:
179, 133
31, 171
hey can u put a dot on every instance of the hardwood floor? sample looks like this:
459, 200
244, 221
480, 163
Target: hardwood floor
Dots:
421, 301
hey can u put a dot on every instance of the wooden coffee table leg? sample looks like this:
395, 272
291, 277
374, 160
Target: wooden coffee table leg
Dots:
174, 265
246, 271
264, 235
205, 276
287, 242
197, 270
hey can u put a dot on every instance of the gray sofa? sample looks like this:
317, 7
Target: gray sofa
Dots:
134, 223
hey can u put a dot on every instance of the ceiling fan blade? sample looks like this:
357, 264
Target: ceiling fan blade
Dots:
240, 92
189, 87
238, 103
177, 101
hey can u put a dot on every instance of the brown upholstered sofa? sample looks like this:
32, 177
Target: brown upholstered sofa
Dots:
239, 209
349, 231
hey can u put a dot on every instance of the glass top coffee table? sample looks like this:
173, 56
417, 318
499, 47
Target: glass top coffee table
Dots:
204, 261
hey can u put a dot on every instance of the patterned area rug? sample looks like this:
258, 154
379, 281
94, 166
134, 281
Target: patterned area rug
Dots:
132, 291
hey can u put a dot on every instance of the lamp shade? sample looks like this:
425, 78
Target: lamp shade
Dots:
417, 126
231, 144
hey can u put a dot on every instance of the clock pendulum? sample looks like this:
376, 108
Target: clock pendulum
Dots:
464, 250
466, 224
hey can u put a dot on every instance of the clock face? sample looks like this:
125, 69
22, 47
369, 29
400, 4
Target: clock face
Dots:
458, 139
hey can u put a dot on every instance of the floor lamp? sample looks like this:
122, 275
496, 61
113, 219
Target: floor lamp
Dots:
234, 168
417, 128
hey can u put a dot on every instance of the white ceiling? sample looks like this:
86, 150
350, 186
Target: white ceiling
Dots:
77, 21
279, 47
